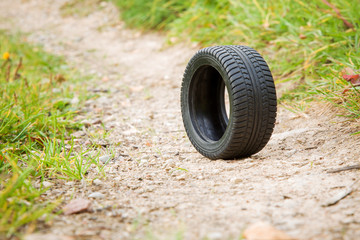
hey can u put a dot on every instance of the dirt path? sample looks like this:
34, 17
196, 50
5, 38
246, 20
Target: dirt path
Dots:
156, 184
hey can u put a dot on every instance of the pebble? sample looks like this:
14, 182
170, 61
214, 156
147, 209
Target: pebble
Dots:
97, 182
96, 195
215, 236
216, 171
69, 183
104, 159
347, 220
77, 206
47, 184
118, 179
181, 177
78, 134
236, 180
290, 153
74, 101
171, 163
143, 162
263, 230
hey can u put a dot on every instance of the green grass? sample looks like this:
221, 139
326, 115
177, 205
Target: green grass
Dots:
305, 43
155, 14
36, 120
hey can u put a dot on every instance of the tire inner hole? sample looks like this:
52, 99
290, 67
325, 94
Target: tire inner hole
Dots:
209, 101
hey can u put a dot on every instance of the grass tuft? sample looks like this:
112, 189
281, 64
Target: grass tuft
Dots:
36, 120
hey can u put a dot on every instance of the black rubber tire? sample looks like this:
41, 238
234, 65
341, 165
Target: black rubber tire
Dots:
252, 100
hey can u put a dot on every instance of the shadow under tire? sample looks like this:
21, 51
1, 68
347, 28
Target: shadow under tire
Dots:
244, 129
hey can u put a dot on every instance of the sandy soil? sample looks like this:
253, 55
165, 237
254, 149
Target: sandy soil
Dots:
156, 184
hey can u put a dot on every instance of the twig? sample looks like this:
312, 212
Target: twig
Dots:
15, 98
4, 63
338, 14
98, 90
357, 166
7, 77
51, 79
17, 69
26, 82
341, 195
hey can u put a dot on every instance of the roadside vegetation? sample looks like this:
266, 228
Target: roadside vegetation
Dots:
312, 47
36, 120
309, 45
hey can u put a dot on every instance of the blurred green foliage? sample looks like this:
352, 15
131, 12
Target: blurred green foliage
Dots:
306, 43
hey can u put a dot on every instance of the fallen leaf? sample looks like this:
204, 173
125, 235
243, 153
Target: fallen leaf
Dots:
2, 159
348, 70
59, 78
354, 79
345, 90
302, 36
265, 231
77, 206
39, 140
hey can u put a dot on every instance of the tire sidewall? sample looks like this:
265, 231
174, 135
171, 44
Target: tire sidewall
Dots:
207, 147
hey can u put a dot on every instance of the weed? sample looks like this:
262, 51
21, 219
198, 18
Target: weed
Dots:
36, 119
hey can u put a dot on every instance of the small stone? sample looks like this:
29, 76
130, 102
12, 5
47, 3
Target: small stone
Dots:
77, 206
215, 236
262, 230
216, 171
69, 183
143, 162
131, 131
290, 153
347, 220
47, 184
181, 177
235, 180
37, 184
118, 179
96, 195
97, 182
78, 134
104, 159
74, 101
171, 163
